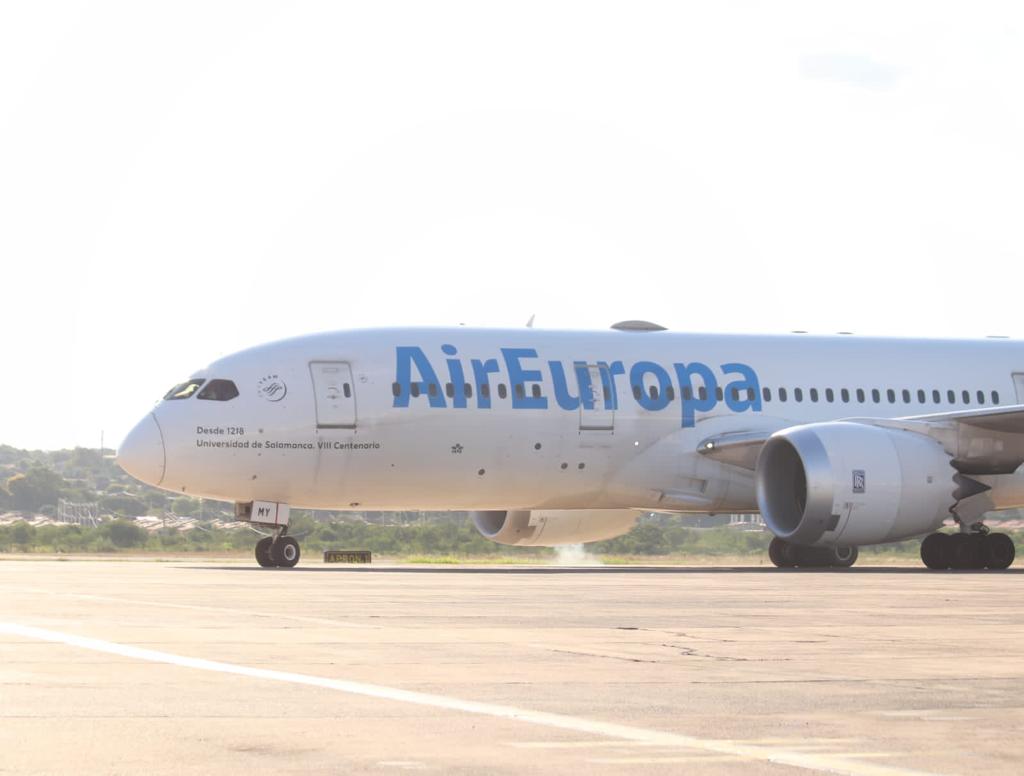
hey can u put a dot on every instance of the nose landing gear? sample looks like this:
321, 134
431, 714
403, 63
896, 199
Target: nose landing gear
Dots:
278, 551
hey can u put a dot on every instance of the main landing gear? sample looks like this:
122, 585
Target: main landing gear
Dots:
978, 550
787, 556
277, 551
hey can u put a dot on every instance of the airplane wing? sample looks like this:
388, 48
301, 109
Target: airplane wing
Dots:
981, 441
1003, 419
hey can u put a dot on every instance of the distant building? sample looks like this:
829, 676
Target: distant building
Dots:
747, 522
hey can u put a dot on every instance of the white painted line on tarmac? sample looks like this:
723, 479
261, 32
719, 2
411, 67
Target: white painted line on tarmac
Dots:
840, 764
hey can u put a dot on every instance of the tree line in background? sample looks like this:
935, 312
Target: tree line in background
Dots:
451, 535
33, 482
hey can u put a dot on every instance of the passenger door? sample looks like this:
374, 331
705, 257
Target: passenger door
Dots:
1018, 383
601, 416
335, 394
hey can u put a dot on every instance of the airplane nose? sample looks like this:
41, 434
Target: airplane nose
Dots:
141, 454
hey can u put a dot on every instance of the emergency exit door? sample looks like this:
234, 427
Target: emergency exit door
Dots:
335, 394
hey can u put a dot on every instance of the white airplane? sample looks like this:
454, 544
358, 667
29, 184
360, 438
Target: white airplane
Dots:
557, 437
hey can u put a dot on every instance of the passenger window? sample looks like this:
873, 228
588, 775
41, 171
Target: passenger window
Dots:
766, 393
876, 395
906, 396
936, 396
782, 394
653, 392
891, 395
981, 397
751, 394
702, 393
719, 394
347, 390
536, 391
735, 394
798, 394
485, 390
920, 396
830, 395
396, 389
432, 389
414, 389
995, 397
951, 396
845, 395
449, 390
670, 393
687, 393
520, 391
967, 397
637, 393
183, 390
860, 395
502, 391
468, 390
219, 390
814, 394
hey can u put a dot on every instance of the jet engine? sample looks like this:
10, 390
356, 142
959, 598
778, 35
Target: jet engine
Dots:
552, 527
851, 484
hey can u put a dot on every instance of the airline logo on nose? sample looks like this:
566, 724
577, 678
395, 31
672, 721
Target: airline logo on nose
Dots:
272, 388
695, 386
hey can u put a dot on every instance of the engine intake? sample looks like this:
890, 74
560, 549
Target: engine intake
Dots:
852, 483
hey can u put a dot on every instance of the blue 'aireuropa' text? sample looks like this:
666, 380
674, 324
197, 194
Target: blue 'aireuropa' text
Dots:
695, 385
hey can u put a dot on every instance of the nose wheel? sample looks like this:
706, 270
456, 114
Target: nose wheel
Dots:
277, 552
263, 556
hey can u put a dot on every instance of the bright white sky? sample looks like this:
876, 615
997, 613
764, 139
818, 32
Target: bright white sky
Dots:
181, 180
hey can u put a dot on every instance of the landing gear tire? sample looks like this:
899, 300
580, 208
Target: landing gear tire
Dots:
781, 553
844, 557
285, 552
963, 551
813, 557
999, 551
935, 551
263, 553
786, 555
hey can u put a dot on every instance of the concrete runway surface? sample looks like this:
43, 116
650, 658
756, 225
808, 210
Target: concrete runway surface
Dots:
197, 667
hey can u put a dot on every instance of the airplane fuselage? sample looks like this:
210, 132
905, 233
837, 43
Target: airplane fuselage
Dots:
477, 419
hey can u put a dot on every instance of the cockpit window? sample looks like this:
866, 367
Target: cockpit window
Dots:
219, 390
184, 390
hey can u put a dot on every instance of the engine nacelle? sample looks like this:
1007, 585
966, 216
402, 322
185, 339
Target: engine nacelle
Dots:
552, 527
852, 484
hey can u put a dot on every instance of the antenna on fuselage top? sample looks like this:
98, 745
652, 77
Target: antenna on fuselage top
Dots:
529, 323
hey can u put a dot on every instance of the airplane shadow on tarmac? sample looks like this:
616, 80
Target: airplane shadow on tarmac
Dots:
588, 570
